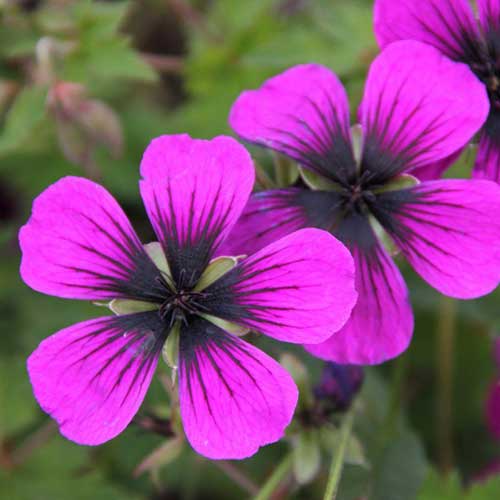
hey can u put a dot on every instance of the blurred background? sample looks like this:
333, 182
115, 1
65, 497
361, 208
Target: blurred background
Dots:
84, 87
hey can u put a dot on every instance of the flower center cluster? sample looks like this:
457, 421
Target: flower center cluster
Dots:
179, 304
357, 196
489, 73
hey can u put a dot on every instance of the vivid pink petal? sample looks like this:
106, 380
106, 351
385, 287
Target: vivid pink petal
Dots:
437, 169
487, 164
381, 324
270, 215
303, 113
194, 191
493, 409
298, 289
419, 107
92, 377
489, 15
79, 244
233, 397
448, 25
449, 230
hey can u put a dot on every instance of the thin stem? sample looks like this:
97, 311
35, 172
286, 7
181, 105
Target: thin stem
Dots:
444, 367
276, 477
34, 441
238, 476
338, 458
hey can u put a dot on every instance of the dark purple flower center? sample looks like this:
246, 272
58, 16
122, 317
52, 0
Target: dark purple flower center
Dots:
179, 303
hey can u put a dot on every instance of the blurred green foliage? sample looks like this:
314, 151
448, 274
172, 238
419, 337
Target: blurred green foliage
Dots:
149, 67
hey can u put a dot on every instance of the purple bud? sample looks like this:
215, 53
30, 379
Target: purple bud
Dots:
339, 384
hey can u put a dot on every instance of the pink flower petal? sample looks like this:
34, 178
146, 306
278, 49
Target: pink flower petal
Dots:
419, 107
303, 113
381, 324
233, 397
298, 289
92, 377
489, 14
487, 164
436, 170
449, 231
448, 25
79, 244
194, 191
270, 215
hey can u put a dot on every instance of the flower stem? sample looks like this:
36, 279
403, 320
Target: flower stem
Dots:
238, 476
276, 477
338, 458
444, 367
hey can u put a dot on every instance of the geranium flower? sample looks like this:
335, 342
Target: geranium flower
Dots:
418, 108
450, 26
92, 377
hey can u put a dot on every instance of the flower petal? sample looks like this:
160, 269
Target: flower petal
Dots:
448, 25
270, 215
233, 397
79, 244
489, 15
194, 191
303, 113
419, 107
487, 164
298, 289
450, 233
437, 169
92, 377
381, 324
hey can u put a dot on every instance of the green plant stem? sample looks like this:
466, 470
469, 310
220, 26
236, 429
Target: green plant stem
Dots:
338, 458
444, 367
276, 477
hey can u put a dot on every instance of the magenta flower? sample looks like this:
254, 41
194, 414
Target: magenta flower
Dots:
92, 377
418, 108
450, 26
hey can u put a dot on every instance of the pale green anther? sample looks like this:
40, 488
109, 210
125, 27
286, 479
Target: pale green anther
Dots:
214, 270
387, 241
286, 171
126, 306
357, 143
170, 351
156, 254
317, 182
403, 181
227, 326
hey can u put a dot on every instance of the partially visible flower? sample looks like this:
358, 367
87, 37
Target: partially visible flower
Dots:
418, 108
451, 27
92, 377
339, 385
83, 123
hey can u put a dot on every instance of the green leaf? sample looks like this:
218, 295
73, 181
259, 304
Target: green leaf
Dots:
157, 255
315, 181
400, 469
215, 269
436, 487
126, 306
306, 456
227, 326
23, 118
